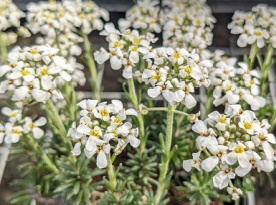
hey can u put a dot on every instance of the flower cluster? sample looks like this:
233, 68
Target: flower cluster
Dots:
59, 21
32, 73
102, 127
143, 16
233, 143
125, 49
10, 17
16, 127
187, 24
233, 85
174, 73
255, 26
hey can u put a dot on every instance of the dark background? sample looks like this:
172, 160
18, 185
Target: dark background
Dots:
222, 10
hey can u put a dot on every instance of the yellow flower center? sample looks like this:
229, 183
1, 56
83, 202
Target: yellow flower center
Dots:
227, 170
247, 125
82, 16
136, 40
47, 16
60, 14
24, 72
222, 118
157, 75
262, 138
239, 149
152, 21
176, 54
266, 18
117, 44
13, 114
31, 125
117, 120
104, 113
228, 87
16, 131
176, 19
94, 133
224, 58
219, 155
44, 71
33, 51
134, 48
188, 69
258, 33
198, 22
252, 82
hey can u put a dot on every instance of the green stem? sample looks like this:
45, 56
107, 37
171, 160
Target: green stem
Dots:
57, 121
112, 177
265, 69
134, 99
3, 49
252, 55
92, 67
164, 166
166, 110
42, 154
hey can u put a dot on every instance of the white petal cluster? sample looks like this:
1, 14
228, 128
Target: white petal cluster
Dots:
255, 26
16, 127
174, 73
103, 127
59, 21
125, 50
187, 24
10, 15
234, 84
143, 16
237, 143
32, 74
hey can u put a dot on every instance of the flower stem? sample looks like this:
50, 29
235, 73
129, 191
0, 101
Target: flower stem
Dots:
134, 99
166, 110
57, 121
92, 67
252, 55
267, 65
164, 166
112, 177
42, 154
3, 49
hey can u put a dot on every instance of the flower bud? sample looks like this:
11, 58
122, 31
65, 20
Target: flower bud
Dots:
221, 140
246, 137
232, 128
95, 122
226, 135
193, 117
143, 109
175, 81
250, 145
238, 134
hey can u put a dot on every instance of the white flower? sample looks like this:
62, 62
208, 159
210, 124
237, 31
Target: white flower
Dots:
221, 179
219, 153
247, 122
255, 163
14, 115
195, 162
263, 138
34, 127
87, 106
206, 135
235, 192
238, 154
